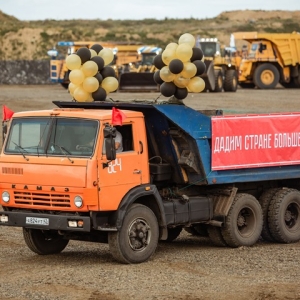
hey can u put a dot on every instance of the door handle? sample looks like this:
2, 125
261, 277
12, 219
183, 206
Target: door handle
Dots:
137, 172
142, 147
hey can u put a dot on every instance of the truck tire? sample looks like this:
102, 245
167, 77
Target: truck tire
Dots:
230, 83
44, 242
244, 222
218, 81
266, 76
284, 216
215, 235
265, 200
173, 233
137, 239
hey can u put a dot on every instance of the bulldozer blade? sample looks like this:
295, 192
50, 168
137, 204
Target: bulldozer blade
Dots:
137, 82
209, 75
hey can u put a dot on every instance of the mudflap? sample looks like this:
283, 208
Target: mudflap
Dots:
209, 75
137, 82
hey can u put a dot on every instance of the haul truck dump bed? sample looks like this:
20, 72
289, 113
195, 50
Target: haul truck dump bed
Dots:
231, 178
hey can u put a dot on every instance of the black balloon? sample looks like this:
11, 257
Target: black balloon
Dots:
168, 89
99, 61
157, 61
197, 54
99, 77
84, 54
181, 93
176, 66
157, 78
108, 72
99, 95
97, 48
201, 67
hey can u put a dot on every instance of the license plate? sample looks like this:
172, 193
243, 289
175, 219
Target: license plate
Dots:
37, 221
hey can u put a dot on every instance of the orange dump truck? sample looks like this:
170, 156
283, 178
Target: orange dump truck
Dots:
230, 178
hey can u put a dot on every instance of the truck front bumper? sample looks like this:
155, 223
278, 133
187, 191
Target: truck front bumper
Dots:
45, 221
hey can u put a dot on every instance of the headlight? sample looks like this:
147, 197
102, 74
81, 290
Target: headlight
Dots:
77, 201
5, 197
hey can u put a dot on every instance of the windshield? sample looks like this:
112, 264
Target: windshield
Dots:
209, 48
52, 136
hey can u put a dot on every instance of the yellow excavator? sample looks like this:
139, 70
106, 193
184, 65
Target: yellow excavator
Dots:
138, 76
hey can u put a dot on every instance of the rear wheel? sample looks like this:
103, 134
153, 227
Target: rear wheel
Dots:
230, 83
244, 222
284, 216
138, 237
44, 242
265, 200
266, 76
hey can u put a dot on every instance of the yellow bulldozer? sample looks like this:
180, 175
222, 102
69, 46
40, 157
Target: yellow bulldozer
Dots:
222, 65
59, 73
138, 76
271, 58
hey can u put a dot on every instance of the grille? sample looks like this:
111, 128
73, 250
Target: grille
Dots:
42, 199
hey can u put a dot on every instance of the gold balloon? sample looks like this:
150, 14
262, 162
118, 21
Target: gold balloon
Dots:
167, 55
72, 87
73, 62
187, 38
181, 81
76, 76
107, 56
189, 70
93, 52
81, 95
90, 84
172, 46
110, 84
184, 52
89, 68
196, 85
166, 75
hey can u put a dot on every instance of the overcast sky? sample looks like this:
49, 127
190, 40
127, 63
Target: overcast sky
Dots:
134, 9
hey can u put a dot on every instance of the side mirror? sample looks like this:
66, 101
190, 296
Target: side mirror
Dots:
109, 134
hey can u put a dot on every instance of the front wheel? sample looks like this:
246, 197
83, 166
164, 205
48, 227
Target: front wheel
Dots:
230, 83
244, 222
137, 239
266, 76
44, 242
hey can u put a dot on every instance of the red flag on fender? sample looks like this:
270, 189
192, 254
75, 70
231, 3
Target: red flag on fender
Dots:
117, 116
6, 113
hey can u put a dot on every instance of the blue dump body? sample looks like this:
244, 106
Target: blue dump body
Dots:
174, 130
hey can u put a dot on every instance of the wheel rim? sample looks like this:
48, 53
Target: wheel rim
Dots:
220, 82
246, 222
291, 217
267, 77
139, 234
234, 82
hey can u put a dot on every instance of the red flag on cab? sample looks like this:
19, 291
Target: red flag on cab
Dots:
117, 116
6, 113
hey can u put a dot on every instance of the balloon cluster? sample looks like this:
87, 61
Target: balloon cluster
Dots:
179, 67
91, 79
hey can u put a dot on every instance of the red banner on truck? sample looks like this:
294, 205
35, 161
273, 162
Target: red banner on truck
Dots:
251, 141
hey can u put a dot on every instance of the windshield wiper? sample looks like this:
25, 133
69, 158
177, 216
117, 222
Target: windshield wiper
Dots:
21, 150
64, 151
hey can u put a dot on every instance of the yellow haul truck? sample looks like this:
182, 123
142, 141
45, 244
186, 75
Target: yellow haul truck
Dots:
272, 58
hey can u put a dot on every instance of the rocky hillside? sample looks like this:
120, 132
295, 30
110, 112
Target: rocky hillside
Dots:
31, 39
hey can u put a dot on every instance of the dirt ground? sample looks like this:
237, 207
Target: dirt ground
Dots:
189, 268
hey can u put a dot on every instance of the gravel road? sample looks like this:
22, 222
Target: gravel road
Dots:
189, 268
